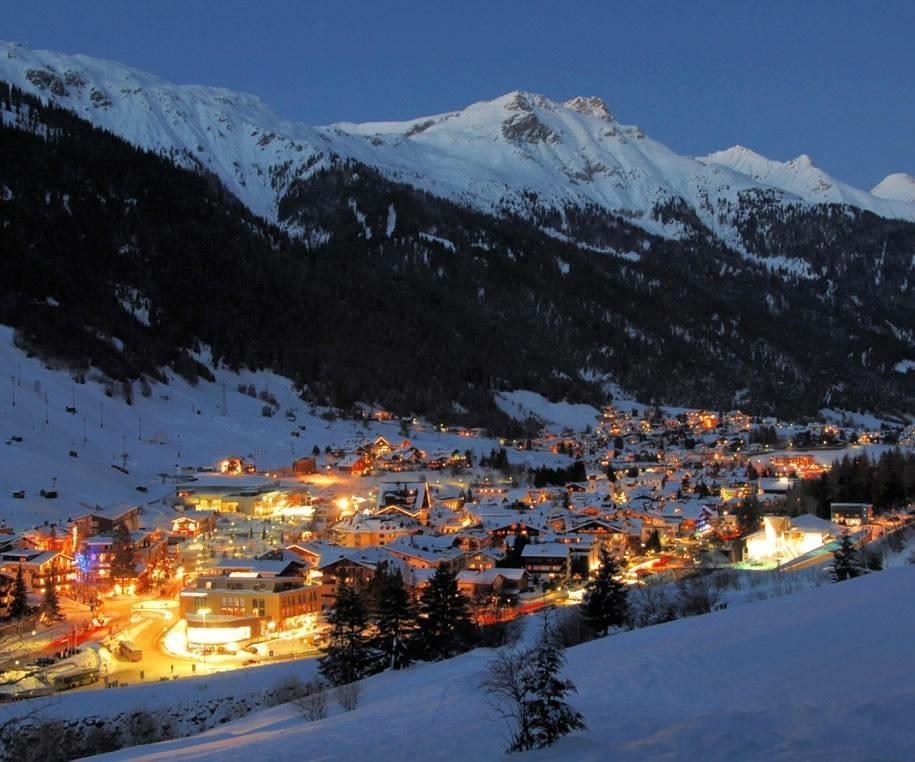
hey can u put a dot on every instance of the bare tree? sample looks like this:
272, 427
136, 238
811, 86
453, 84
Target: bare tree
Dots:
313, 702
505, 686
652, 604
348, 695
697, 595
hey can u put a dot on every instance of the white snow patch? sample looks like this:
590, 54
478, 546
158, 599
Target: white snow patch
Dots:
522, 404
439, 240
391, 221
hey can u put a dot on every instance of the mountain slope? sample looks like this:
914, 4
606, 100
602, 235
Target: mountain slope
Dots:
815, 676
520, 154
801, 178
120, 261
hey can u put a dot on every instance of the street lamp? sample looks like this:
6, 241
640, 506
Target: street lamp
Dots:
203, 612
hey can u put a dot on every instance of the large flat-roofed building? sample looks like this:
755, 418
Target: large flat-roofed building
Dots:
851, 514
240, 601
250, 495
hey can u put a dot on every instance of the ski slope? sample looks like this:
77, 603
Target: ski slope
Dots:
177, 425
820, 675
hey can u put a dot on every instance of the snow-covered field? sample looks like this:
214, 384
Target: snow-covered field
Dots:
177, 425
820, 675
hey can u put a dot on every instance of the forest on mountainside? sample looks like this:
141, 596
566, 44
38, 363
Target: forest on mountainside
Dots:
116, 259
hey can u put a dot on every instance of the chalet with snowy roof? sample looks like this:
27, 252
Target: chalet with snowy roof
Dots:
90, 524
500, 530
688, 516
485, 558
584, 550
39, 566
363, 530
309, 556
357, 568
95, 554
547, 560
354, 465
194, 525
428, 552
409, 492
401, 460
448, 522
486, 584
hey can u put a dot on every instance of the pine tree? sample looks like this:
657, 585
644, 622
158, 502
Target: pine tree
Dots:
654, 541
122, 559
50, 606
549, 715
19, 605
845, 563
605, 603
444, 622
395, 622
349, 655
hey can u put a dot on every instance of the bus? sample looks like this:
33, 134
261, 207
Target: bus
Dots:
129, 651
74, 678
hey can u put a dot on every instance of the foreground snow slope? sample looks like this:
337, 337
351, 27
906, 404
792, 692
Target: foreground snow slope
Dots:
820, 675
517, 152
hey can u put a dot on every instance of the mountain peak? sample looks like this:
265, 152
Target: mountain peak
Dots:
896, 187
803, 160
590, 106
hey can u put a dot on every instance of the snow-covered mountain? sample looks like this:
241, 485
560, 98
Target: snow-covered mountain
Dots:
896, 187
520, 153
802, 178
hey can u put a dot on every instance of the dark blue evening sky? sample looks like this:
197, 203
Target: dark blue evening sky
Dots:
834, 79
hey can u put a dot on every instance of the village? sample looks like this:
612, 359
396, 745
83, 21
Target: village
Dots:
241, 565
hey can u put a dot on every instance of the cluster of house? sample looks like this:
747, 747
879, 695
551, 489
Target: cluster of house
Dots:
80, 553
359, 457
650, 483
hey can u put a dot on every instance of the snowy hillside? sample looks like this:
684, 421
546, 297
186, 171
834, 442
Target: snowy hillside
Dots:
520, 153
522, 404
820, 675
177, 425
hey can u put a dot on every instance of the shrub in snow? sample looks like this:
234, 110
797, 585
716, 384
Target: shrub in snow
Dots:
286, 690
313, 701
651, 604
347, 696
697, 595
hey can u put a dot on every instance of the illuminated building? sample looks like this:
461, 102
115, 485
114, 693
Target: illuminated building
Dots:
245, 600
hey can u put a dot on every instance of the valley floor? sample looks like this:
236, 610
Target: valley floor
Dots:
819, 675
